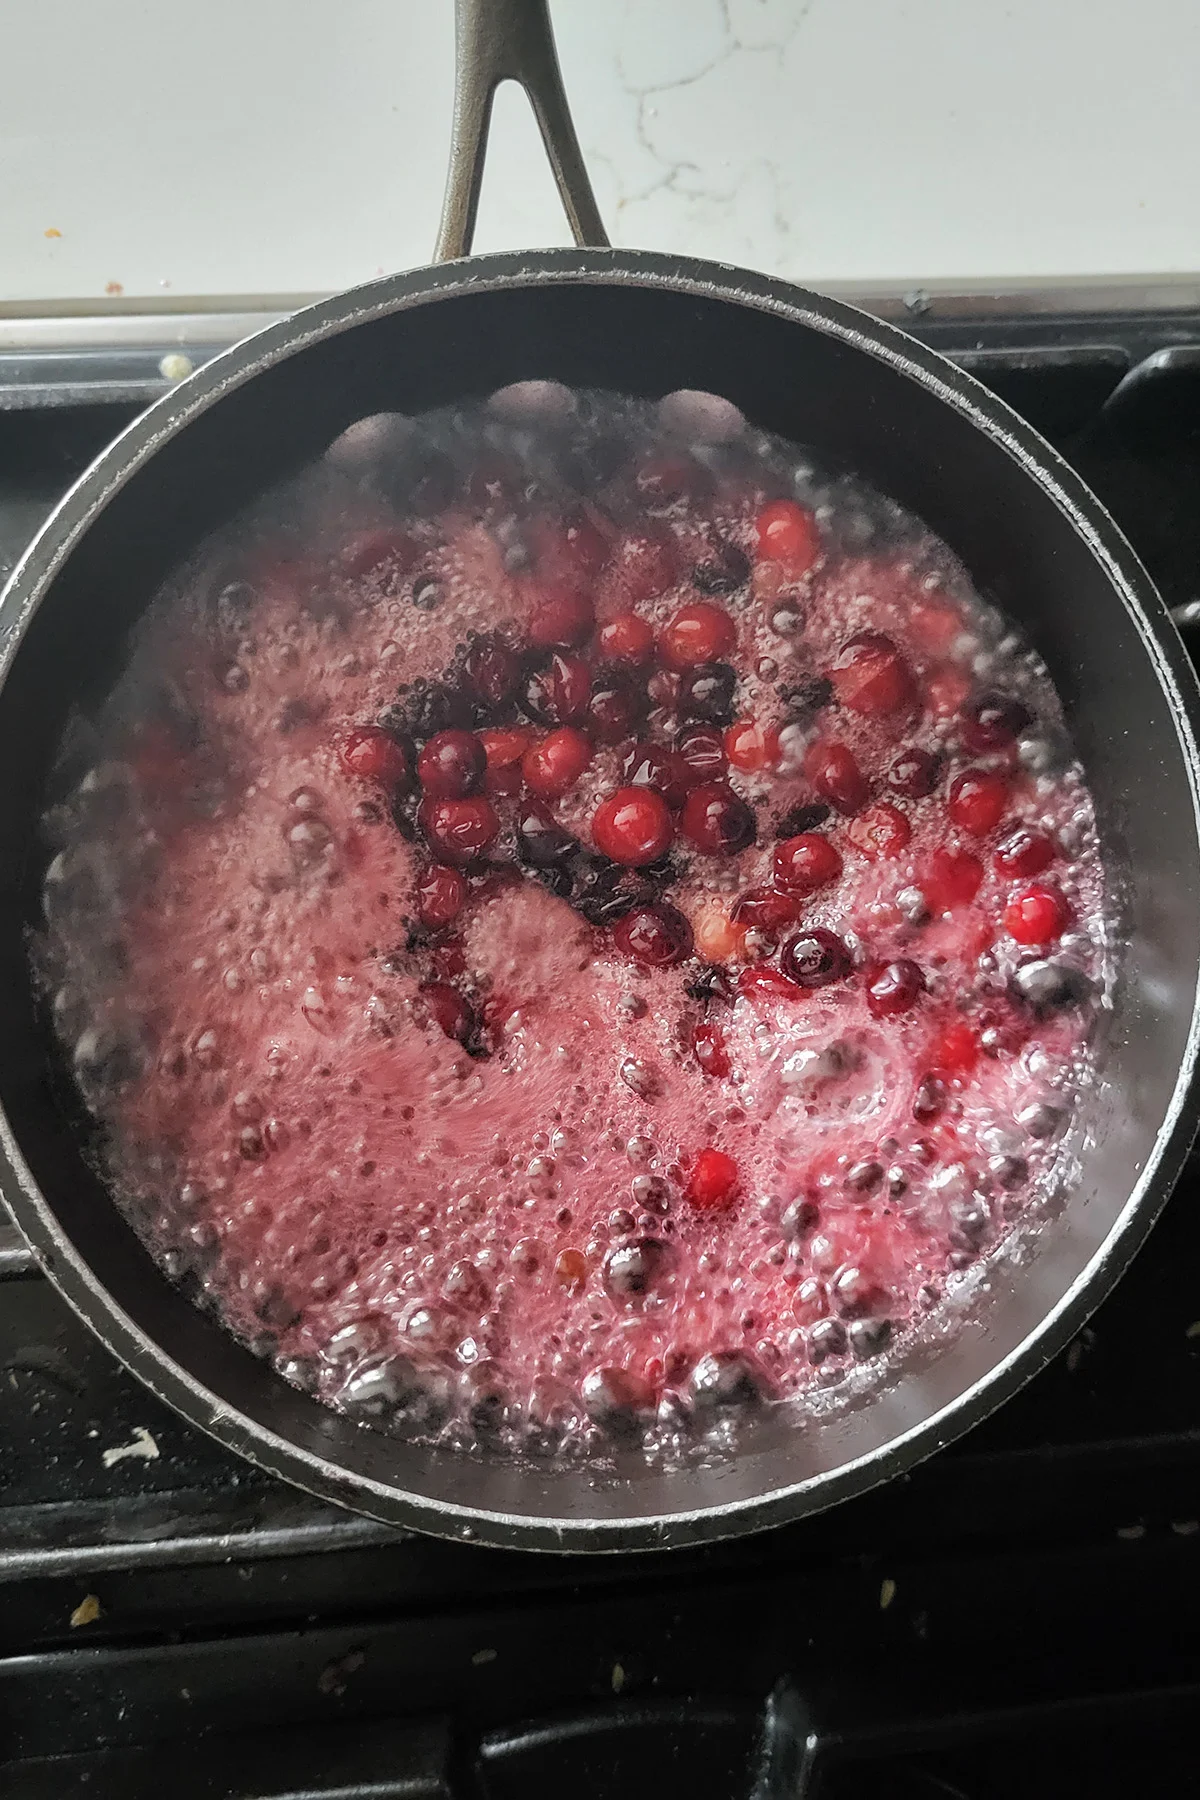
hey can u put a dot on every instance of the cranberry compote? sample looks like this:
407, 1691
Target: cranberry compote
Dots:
575, 927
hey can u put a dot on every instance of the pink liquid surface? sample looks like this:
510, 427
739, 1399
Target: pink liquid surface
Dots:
493, 1239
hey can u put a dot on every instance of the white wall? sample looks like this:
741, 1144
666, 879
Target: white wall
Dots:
272, 148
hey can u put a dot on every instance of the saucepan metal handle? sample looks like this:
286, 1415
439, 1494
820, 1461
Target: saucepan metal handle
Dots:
509, 40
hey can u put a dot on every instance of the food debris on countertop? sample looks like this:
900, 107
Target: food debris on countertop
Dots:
143, 1445
87, 1612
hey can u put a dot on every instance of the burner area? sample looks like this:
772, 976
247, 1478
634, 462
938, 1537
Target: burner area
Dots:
1020, 1615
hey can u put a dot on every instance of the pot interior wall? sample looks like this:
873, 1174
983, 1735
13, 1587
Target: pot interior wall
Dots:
1023, 551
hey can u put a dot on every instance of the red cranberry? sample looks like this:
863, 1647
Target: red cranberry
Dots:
701, 749
633, 826
934, 625
649, 765
571, 550
929, 1099
835, 774
787, 534
616, 706
722, 568
699, 633
451, 764
706, 692
716, 820
627, 639
913, 773
893, 987
713, 1183
768, 983
814, 958
558, 694
957, 1048
657, 936
1024, 852
541, 840
457, 831
440, 1004
870, 675
766, 909
562, 619
441, 896
951, 879
752, 746
556, 764
1036, 915
646, 565
493, 669
506, 745
993, 721
373, 754
977, 800
946, 689
664, 479
805, 863
708, 1047
879, 831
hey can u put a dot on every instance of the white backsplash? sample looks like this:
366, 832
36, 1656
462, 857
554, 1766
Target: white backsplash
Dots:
253, 152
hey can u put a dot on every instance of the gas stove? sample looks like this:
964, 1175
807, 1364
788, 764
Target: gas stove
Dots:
1019, 1616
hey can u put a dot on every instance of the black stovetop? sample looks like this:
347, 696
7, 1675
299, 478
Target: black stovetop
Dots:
1019, 1617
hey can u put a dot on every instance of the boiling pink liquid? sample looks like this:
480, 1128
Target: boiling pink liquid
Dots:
448, 1242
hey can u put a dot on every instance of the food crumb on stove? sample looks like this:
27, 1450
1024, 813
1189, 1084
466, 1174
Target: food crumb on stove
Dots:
483, 1656
887, 1593
1185, 1527
1193, 1330
143, 1446
87, 1612
618, 1678
1131, 1532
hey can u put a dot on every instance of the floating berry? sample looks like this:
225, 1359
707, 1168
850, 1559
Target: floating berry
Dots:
977, 800
1036, 915
616, 705
373, 754
701, 750
934, 626
805, 863
700, 633
656, 936
441, 896
834, 772
559, 693
572, 550
893, 987
556, 764
451, 764
628, 639
493, 670
870, 675
946, 689
814, 958
913, 773
633, 826
951, 879
759, 982
541, 840
457, 831
713, 1183
750, 745
1024, 852
562, 618
439, 1004
719, 938
505, 746
721, 569
716, 821
787, 533
994, 721
879, 831
956, 1048
708, 1047
706, 692
766, 909
649, 765
646, 565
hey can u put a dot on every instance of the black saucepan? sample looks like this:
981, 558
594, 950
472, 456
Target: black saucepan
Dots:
867, 397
